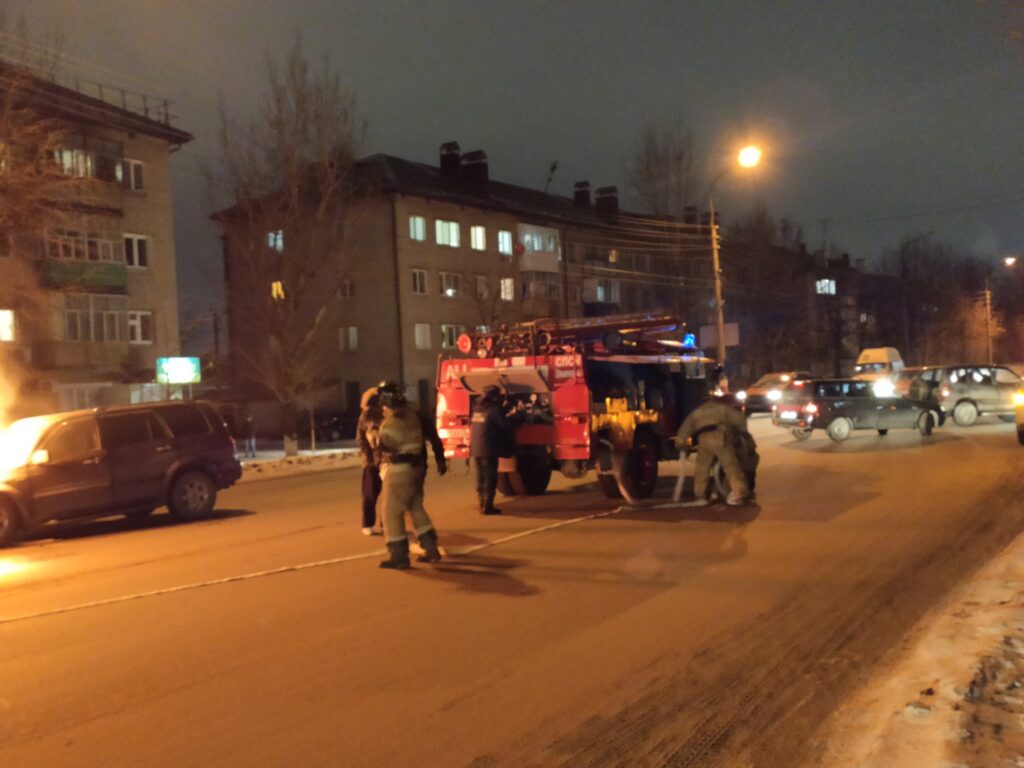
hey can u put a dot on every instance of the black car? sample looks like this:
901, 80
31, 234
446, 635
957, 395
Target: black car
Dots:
115, 460
840, 406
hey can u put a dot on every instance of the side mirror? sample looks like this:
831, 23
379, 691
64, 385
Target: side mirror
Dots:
42, 456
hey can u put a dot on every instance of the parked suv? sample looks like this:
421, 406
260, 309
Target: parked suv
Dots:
968, 391
117, 460
840, 406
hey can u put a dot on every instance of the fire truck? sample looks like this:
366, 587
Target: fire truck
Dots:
603, 393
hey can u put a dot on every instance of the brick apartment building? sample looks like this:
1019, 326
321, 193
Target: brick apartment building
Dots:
107, 275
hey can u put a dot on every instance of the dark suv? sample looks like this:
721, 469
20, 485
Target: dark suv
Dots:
116, 460
840, 406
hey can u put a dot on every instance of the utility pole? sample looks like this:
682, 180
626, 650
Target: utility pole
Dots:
719, 308
988, 320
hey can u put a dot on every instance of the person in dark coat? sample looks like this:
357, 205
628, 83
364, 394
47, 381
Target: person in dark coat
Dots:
249, 433
368, 439
490, 438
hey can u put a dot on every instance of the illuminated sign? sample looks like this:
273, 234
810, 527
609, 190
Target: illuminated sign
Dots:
178, 370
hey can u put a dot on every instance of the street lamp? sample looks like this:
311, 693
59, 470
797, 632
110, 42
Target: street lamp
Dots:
1009, 262
748, 157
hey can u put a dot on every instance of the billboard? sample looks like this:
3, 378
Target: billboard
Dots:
178, 370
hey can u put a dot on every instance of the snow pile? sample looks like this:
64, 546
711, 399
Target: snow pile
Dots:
267, 469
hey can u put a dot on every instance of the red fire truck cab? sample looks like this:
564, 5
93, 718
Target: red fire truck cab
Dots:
604, 393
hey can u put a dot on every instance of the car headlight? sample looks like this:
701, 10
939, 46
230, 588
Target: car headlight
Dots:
741, 395
884, 388
774, 395
1018, 398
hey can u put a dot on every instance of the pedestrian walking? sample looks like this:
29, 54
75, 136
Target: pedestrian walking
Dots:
713, 427
403, 472
249, 434
489, 439
368, 439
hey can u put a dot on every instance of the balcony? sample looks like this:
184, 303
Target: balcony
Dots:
539, 261
90, 276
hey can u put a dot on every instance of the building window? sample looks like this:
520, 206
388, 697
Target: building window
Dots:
419, 281
478, 238
450, 283
108, 326
536, 238
421, 332
72, 325
508, 288
140, 327
575, 295
76, 162
6, 325
450, 335
418, 228
71, 244
504, 242
275, 240
348, 338
483, 290
347, 289
447, 233
129, 174
136, 251
825, 287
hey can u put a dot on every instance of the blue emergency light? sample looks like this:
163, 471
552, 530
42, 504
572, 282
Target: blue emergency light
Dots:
690, 340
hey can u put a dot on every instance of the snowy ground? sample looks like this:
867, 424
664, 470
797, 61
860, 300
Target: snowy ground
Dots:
270, 464
953, 695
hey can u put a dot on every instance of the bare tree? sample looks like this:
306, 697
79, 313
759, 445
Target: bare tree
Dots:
662, 171
290, 171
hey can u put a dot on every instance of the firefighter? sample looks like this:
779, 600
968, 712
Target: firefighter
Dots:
489, 438
713, 427
403, 471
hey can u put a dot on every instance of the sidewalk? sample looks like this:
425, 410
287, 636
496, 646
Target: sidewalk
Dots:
954, 697
272, 463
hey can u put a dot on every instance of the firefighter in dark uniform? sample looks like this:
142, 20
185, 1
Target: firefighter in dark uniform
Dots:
715, 426
403, 471
489, 439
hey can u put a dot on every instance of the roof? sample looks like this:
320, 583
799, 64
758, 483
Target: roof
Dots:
77, 107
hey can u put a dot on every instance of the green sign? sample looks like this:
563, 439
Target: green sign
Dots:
178, 370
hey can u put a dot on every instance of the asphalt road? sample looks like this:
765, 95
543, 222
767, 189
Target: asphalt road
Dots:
576, 636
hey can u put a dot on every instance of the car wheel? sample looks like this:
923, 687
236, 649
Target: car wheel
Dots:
839, 429
640, 468
10, 523
609, 485
192, 496
883, 432
926, 424
965, 413
800, 434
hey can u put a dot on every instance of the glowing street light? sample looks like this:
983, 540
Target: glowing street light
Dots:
748, 157
1009, 261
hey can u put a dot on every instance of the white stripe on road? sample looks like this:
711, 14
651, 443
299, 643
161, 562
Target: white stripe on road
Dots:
289, 569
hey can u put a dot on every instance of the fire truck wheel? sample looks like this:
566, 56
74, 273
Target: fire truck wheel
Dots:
640, 468
533, 476
505, 484
609, 486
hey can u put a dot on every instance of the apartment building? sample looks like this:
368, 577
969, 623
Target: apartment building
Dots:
107, 303
445, 249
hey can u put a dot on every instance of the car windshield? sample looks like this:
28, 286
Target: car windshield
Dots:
19, 439
871, 367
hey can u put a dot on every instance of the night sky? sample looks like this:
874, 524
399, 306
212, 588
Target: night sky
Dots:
883, 118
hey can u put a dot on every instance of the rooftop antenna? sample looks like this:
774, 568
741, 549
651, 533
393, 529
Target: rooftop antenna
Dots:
551, 175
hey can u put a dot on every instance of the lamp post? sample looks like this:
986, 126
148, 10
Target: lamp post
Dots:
1009, 262
748, 157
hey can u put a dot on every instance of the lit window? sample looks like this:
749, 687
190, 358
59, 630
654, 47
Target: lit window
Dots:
417, 228
348, 338
419, 281
478, 238
825, 287
482, 288
129, 175
277, 290
508, 289
450, 283
6, 325
450, 335
275, 240
447, 233
76, 162
504, 242
421, 332
136, 251
140, 327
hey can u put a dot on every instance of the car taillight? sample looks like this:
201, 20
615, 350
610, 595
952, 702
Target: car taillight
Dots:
810, 408
945, 392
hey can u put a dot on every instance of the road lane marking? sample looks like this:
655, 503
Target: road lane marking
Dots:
456, 551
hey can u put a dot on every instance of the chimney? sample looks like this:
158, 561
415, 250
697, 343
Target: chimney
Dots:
581, 194
474, 167
690, 214
606, 200
451, 158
